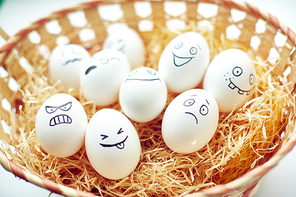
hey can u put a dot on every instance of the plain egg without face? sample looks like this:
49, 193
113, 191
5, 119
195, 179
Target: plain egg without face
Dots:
143, 94
230, 78
128, 42
60, 125
184, 61
101, 79
112, 144
190, 121
66, 63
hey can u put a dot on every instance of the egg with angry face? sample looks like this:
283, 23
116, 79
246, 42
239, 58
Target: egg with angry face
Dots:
183, 62
66, 63
190, 121
230, 78
112, 144
60, 125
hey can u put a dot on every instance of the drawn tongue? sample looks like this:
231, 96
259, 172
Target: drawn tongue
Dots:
120, 145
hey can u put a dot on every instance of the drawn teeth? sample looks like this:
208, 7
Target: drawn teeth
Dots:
60, 119
120, 145
231, 85
240, 92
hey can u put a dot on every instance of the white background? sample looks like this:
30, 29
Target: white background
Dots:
17, 14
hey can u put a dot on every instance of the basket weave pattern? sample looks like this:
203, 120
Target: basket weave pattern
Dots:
21, 46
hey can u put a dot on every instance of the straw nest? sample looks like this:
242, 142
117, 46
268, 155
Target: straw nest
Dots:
243, 139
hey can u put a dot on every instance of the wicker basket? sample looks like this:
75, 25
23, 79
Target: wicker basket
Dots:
20, 46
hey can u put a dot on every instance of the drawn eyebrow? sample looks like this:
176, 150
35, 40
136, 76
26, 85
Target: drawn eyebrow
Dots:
194, 95
207, 102
198, 46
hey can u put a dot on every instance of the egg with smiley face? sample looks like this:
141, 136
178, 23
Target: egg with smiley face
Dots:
230, 78
143, 94
60, 125
101, 79
66, 63
183, 62
112, 144
190, 121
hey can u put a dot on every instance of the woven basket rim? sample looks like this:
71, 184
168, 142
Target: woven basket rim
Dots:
251, 177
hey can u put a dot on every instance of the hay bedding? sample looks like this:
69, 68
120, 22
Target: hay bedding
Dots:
243, 138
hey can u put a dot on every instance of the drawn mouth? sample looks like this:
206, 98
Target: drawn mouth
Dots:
60, 119
72, 61
181, 61
119, 145
196, 120
156, 79
232, 86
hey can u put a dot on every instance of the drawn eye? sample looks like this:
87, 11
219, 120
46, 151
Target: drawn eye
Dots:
109, 45
204, 110
62, 54
193, 50
66, 106
178, 45
76, 52
237, 71
189, 102
51, 109
104, 136
120, 131
251, 79
134, 72
104, 60
151, 72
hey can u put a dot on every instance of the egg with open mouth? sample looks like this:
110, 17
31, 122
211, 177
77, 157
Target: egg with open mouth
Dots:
183, 62
112, 144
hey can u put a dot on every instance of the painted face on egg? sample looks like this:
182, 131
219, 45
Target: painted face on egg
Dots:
143, 74
236, 76
183, 62
59, 118
190, 121
230, 78
66, 63
119, 144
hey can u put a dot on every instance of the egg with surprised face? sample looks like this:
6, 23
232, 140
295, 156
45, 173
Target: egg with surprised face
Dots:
112, 144
143, 94
230, 78
66, 63
127, 41
60, 125
190, 121
184, 61
101, 79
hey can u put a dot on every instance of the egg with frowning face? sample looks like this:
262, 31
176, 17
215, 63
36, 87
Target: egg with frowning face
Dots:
112, 144
60, 125
101, 78
230, 78
66, 63
190, 121
183, 62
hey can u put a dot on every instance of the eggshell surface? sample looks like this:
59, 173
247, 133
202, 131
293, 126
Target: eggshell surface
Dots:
190, 121
101, 79
60, 125
143, 94
183, 62
66, 63
112, 144
129, 42
230, 78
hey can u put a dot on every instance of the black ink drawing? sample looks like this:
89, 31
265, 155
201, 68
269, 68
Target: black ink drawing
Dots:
119, 145
60, 118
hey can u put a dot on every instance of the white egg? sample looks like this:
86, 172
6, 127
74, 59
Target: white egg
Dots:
129, 42
190, 121
230, 78
143, 94
60, 125
101, 79
112, 144
183, 62
66, 63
